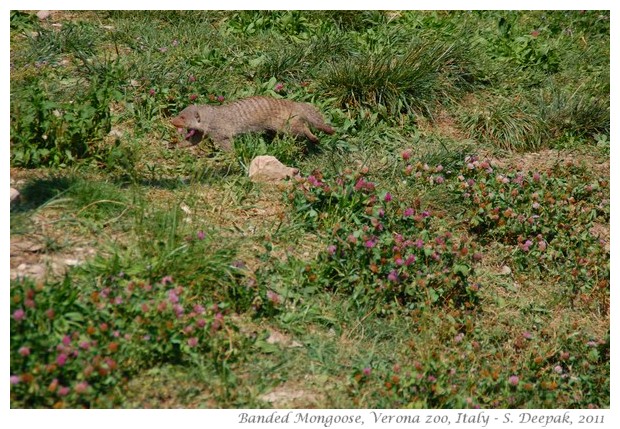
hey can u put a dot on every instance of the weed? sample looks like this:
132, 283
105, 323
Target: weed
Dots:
546, 218
382, 248
49, 132
88, 340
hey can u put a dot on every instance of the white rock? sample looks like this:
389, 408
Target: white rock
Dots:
116, 133
14, 195
268, 169
37, 271
43, 14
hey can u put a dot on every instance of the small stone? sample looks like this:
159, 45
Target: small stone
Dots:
116, 133
186, 208
276, 337
36, 272
43, 14
14, 195
505, 270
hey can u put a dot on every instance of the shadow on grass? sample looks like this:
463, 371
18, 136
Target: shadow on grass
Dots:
39, 191
210, 175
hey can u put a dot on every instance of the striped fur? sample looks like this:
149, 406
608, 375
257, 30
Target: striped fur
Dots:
254, 114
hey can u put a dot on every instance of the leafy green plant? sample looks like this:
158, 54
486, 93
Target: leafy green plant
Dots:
452, 381
291, 23
74, 348
49, 132
150, 104
76, 342
546, 217
526, 51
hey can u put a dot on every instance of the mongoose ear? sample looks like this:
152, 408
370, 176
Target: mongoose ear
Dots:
197, 115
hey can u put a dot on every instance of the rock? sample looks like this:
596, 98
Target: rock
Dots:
14, 195
43, 14
36, 271
186, 209
116, 133
38, 264
72, 262
268, 169
505, 271
276, 337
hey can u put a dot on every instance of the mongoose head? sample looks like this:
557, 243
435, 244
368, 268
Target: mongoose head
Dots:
189, 118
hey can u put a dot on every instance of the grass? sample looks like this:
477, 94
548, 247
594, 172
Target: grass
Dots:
399, 83
447, 247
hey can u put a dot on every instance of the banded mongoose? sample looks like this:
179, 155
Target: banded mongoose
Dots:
254, 114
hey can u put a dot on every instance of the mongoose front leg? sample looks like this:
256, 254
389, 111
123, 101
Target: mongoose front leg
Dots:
224, 144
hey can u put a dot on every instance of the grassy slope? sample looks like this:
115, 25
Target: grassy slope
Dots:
482, 84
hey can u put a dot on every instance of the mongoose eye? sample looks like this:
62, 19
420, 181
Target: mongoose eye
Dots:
197, 116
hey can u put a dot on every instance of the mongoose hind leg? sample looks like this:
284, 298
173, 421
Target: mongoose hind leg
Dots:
301, 129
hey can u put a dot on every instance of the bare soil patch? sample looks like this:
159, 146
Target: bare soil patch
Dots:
548, 159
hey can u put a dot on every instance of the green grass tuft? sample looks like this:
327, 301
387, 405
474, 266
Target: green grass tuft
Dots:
390, 81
